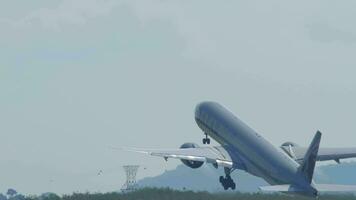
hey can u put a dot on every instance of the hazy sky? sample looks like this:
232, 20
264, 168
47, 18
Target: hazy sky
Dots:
79, 76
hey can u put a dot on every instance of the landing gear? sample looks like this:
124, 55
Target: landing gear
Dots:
227, 181
206, 140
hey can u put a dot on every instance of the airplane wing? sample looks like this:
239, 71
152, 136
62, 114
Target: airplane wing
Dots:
324, 153
216, 155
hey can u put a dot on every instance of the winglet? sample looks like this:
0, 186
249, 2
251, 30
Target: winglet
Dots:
308, 165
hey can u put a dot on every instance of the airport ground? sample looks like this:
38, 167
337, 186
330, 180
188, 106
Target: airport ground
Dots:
168, 194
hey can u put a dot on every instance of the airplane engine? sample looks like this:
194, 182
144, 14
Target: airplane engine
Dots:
287, 144
190, 163
288, 147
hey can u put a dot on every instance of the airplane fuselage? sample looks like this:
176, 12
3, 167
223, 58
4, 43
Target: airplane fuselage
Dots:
259, 156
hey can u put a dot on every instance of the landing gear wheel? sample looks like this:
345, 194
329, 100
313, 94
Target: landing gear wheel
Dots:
227, 182
221, 179
206, 140
233, 186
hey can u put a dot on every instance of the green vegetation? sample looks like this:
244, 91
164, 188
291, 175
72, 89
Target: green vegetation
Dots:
169, 194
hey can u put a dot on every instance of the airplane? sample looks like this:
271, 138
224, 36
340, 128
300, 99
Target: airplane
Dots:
288, 168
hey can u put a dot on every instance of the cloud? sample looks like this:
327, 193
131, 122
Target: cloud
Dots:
76, 12
322, 32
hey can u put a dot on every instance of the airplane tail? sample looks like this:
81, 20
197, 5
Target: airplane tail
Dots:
308, 164
307, 169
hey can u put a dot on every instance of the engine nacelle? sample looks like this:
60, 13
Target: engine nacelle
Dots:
288, 147
190, 163
287, 144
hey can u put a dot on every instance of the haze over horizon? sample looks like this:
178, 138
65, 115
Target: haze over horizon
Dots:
80, 76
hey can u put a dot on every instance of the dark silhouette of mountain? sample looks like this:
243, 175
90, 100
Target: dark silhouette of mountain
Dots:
204, 178
207, 178
344, 173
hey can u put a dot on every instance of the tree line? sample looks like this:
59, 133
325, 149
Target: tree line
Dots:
169, 194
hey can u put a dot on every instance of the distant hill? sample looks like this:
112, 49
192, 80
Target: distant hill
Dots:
344, 173
206, 178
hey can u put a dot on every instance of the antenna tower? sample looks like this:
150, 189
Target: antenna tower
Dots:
130, 184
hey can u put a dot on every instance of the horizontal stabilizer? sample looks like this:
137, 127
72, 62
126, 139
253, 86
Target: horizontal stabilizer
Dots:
280, 188
275, 188
335, 188
318, 187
